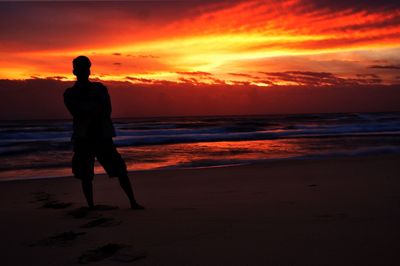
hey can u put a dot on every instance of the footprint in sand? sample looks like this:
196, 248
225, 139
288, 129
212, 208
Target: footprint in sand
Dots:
334, 216
101, 222
115, 252
62, 239
79, 213
83, 212
49, 202
55, 204
42, 196
184, 209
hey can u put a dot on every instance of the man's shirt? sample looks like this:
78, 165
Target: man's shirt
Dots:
89, 104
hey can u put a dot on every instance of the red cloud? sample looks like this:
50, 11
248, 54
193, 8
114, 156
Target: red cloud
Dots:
29, 99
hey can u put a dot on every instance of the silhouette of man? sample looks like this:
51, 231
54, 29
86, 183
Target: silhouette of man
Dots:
89, 104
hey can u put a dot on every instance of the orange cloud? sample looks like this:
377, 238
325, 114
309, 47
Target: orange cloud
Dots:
148, 43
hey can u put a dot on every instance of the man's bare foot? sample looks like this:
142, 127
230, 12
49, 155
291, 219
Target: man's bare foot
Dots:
136, 206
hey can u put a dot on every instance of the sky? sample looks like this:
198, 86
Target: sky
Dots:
215, 45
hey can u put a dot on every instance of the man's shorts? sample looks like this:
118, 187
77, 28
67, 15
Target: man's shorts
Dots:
85, 152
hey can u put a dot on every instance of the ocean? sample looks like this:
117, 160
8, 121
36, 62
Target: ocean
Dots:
39, 149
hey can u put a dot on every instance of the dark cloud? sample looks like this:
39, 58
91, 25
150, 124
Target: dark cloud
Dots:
28, 99
117, 63
368, 79
206, 77
117, 54
354, 4
364, 81
302, 77
139, 79
216, 80
240, 83
342, 41
190, 80
56, 78
241, 75
370, 25
69, 23
367, 75
308, 78
135, 80
396, 67
195, 73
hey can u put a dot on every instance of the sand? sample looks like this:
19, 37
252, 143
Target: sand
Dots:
323, 212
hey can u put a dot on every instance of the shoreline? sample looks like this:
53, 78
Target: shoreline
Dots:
233, 165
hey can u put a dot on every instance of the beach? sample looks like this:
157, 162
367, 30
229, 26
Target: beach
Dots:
337, 211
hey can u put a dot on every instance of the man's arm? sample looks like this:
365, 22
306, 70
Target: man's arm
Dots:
107, 107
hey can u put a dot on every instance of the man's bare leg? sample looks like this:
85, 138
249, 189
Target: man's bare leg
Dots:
87, 188
127, 187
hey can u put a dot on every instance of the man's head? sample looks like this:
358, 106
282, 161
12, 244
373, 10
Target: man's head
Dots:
81, 67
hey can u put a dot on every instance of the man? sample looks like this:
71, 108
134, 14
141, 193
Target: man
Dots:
89, 104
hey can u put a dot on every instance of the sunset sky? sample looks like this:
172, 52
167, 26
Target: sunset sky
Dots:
214, 42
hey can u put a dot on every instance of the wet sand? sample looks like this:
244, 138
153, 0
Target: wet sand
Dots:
323, 212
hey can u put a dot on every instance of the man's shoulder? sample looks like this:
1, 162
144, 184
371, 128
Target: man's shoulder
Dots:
69, 91
99, 85
95, 84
